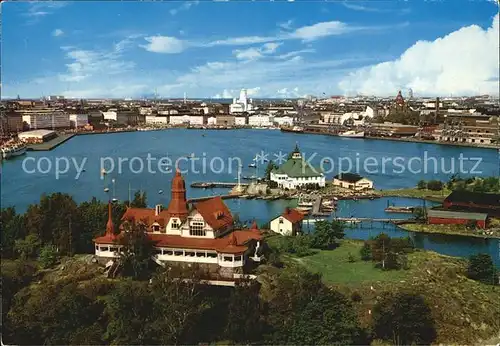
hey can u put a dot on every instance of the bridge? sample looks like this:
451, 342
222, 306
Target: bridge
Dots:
369, 219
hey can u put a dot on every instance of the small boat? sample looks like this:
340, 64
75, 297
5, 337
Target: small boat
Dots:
352, 134
312, 220
303, 209
305, 204
252, 165
106, 189
295, 129
160, 191
114, 200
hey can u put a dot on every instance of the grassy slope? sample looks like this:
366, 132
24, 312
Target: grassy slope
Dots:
465, 311
437, 196
450, 229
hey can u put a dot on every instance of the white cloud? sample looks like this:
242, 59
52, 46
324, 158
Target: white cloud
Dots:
286, 25
319, 30
295, 53
57, 32
463, 62
184, 7
168, 44
357, 7
37, 10
87, 63
255, 53
164, 44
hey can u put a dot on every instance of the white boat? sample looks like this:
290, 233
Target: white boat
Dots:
13, 149
353, 134
252, 165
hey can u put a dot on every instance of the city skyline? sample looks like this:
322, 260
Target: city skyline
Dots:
273, 49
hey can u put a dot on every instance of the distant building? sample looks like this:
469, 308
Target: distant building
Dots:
297, 172
260, 120
78, 120
288, 223
225, 120
36, 136
352, 181
283, 121
241, 105
45, 118
154, 119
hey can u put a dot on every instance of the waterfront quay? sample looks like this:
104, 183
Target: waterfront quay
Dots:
51, 144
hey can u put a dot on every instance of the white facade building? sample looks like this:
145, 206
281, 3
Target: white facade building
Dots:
152, 119
288, 224
283, 121
260, 120
46, 119
78, 120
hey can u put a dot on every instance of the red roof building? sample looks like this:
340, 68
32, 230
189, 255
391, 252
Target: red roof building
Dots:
288, 223
198, 233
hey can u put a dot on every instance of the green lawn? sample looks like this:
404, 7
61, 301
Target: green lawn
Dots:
336, 268
438, 196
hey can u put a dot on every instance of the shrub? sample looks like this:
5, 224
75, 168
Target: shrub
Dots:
481, 268
422, 185
48, 256
435, 185
351, 258
405, 319
366, 252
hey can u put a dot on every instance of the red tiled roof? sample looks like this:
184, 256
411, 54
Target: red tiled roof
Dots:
146, 215
293, 215
215, 212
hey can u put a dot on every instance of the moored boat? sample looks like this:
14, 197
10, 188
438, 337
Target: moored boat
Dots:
295, 129
353, 134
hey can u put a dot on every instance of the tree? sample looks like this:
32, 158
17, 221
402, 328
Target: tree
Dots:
435, 185
244, 317
481, 268
418, 213
13, 227
136, 251
28, 247
303, 311
140, 200
366, 252
422, 185
404, 319
48, 256
327, 234
269, 168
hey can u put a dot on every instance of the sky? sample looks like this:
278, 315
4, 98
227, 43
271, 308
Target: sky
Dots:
212, 49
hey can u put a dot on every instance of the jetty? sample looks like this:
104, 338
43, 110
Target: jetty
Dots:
51, 144
211, 185
369, 219
198, 199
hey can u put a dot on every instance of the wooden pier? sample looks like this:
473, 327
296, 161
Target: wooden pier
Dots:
368, 219
211, 185
198, 199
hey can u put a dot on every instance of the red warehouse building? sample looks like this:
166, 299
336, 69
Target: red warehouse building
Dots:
448, 217
476, 202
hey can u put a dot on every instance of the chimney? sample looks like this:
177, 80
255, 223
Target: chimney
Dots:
157, 209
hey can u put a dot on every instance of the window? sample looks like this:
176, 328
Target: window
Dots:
156, 228
113, 249
97, 248
228, 259
237, 258
212, 255
175, 224
196, 229
189, 253
169, 252
200, 254
281, 220
178, 253
158, 251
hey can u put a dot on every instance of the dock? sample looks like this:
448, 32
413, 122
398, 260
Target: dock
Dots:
49, 145
211, 185
368, 219
198, 199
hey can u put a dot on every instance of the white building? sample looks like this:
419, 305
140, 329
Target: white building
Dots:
110, 114
297, 172
78, 120
352, 181
283, 121
45, 118
289, 223
243, 104
152, 119
201, 233
240, 121
260, 120
212, 121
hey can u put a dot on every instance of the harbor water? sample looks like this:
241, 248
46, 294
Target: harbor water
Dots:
23, 183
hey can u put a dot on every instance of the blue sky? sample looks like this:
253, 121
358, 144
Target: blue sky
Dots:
274, 49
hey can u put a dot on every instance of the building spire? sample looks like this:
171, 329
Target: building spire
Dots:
110, 228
